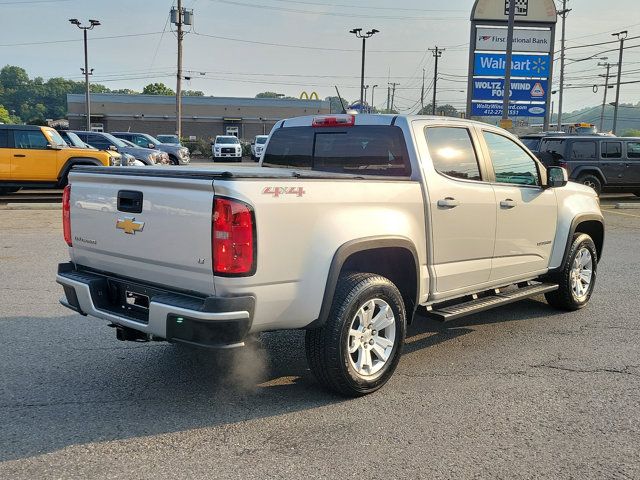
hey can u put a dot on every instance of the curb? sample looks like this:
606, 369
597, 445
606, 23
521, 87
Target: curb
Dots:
627, 205
31, 206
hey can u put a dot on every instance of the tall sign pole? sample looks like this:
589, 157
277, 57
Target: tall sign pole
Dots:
564, 13
510, 60
180, 37
506, 122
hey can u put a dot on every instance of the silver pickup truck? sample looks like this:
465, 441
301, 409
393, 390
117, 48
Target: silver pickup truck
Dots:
347, 226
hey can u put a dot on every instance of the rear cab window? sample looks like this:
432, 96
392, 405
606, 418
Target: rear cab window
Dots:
362, 149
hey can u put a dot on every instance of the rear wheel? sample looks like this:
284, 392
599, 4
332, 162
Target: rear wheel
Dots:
577, 277
591, 181
358, 348
173, 160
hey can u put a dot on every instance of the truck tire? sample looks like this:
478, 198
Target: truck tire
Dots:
591, 181
577, 277
358, 348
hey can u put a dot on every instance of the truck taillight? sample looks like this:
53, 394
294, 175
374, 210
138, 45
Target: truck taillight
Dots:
233, 238
66, 214
334, 121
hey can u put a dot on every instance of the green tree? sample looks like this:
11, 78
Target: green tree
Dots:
157, 89
4, 115
125, 91
441, 110
632, 132
192, 93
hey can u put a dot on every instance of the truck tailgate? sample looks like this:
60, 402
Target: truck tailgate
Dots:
165, 242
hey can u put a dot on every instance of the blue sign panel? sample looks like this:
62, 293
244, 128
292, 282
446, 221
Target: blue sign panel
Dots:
521, 90
494, 64
488, 109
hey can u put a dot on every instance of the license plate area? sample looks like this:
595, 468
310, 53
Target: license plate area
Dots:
137, 300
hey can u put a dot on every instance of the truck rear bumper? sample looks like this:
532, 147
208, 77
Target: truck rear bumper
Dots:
159, 313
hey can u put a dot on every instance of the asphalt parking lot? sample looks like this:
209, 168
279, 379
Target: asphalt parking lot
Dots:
518, 392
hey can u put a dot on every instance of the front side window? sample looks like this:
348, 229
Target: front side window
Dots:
30, 139
511, 164
141, 141
633, 149
452, 152
98, 142
583, 151
611, 150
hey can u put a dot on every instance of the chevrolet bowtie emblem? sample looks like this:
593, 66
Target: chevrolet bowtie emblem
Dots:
129, 225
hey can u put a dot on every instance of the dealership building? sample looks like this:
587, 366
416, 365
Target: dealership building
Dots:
202, 117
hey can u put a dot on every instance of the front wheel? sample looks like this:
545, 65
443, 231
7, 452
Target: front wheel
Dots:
358, 348
577, 277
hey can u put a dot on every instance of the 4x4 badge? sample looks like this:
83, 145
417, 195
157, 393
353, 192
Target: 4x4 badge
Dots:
129, 225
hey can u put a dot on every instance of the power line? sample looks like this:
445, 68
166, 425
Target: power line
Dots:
76, 40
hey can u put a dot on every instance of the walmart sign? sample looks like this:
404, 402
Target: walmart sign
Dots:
494, 65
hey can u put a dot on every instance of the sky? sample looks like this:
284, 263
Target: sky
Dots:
242, 47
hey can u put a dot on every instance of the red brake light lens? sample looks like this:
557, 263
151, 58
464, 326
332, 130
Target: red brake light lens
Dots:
334, 121
233, 239
66, 214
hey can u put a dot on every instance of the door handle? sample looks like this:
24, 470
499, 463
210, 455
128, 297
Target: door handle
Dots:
448, 202
19, 155
508, 203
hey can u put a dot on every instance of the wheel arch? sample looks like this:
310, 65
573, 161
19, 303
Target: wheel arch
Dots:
592, 225
395, 258
73, 161
589, 170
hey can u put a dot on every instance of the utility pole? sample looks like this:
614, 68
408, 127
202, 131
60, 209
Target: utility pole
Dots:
437, 53
393, 94
180, 17
606, 87
506, 90
388, 98
564, 13
621, 36
422, 95
358, 33
86, 71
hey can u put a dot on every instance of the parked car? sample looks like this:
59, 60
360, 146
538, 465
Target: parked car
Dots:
349, 224
226, 147
606, 164
106, 141
38, 156
169, 139
74, 140
257, 146
178, 155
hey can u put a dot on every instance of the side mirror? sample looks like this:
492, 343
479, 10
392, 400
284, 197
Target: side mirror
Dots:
113, 148
151, 145
557, 177
52, 146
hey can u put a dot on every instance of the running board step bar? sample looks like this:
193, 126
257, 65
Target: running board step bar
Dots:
452, 312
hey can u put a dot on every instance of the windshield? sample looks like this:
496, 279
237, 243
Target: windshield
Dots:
227, 140
55, 138
531, 143
261, 140
151, 139
116, 141
168, 138
75, 140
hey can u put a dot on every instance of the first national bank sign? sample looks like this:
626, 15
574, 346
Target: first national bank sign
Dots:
532, 61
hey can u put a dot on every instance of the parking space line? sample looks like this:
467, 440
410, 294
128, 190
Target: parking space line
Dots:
620, 213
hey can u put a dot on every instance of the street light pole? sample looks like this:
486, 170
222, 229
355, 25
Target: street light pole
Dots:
564, 13
358, 33
87, 72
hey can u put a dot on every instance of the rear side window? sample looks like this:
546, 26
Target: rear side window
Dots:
612, 150
633, 149
452, 152
583, 151
4, 138
365, 149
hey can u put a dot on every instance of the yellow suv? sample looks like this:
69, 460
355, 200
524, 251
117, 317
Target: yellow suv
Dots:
38, 156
